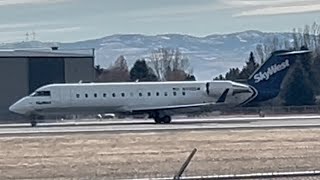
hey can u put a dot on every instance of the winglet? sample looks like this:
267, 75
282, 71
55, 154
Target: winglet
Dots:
223, 97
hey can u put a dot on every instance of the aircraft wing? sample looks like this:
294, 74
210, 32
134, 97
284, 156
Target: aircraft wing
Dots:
221, 99
172, 107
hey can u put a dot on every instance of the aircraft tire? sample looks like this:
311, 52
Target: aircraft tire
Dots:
166, 119
33, 123
157, 120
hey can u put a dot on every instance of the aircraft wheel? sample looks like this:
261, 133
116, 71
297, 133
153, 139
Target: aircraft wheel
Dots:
33, 123
157, 120
166, 119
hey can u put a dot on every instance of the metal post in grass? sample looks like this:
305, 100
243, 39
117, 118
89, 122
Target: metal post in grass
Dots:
185, 165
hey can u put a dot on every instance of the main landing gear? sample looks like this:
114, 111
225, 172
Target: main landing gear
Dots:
160, 118
164, 120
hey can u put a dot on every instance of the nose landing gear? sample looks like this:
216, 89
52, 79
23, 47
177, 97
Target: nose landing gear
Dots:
33, 123
34, 120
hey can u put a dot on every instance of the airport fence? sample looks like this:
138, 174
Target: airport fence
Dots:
200, 169
273, 110
301, 175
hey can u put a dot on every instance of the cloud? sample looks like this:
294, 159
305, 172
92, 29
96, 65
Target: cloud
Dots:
246, 8
161, 19
17, 2
280, 10
170, 11
59, 30
272, 7
264, 3
18, 30
14, 26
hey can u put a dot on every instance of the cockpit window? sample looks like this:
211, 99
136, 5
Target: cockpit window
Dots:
41, 93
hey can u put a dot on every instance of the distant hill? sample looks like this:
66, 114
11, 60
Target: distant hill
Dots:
209, 56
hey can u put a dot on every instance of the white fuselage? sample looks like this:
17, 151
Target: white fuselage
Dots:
90, 98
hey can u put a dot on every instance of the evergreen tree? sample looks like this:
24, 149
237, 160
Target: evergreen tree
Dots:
316, 73
298, 91
140, 71
249, 68
220, 77
233, 74
118, 72
309, 68
306, 62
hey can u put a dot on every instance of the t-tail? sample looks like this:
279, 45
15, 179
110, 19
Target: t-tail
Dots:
267, 79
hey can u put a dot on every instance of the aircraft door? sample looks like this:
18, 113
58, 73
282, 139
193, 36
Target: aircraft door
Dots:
73, 96
215, 89
64, 96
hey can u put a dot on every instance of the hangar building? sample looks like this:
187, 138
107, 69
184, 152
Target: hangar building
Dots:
23, 71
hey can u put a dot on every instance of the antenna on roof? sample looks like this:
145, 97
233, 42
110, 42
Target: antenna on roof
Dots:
80, 81
137, 80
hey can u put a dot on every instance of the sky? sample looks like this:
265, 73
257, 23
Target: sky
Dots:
76, 20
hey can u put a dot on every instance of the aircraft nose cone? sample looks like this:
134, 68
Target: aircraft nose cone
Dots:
15, 108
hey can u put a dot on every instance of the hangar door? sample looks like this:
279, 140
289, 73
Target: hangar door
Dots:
43, 71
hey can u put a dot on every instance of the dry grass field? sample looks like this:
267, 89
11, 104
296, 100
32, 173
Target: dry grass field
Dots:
109, 156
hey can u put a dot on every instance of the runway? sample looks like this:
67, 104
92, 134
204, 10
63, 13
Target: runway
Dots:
104, 152
112, 126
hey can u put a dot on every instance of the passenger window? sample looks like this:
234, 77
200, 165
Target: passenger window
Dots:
95, 95
78, 95
86, 95
165, 94
149, 93
183, 93
123, 95
157, 94
104, 95
174, 93
113, 94
140, 94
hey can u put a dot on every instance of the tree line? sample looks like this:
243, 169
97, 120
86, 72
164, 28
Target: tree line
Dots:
164, 64
301, 84
167, 64
235, 74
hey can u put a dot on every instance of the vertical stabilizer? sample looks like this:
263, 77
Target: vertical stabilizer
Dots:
267, 79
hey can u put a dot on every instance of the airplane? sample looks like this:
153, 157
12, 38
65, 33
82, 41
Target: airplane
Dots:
159, 100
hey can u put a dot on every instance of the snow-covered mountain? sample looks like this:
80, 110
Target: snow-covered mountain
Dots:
209, 56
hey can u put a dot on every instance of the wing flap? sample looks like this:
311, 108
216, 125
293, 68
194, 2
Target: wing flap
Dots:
171, 107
